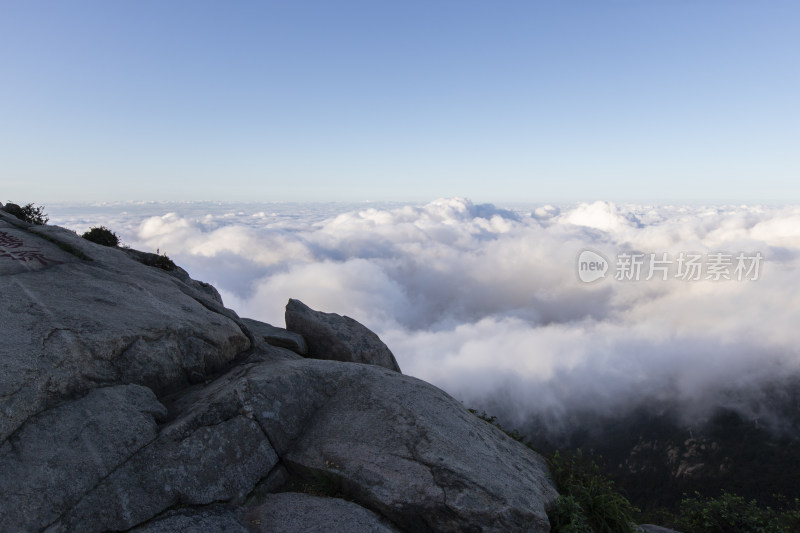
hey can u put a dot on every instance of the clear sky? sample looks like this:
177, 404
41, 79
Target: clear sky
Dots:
665, 100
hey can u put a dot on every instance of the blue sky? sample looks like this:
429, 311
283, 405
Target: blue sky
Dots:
384, 100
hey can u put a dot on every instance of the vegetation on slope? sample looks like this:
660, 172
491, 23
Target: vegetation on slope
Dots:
592, 501
29, 213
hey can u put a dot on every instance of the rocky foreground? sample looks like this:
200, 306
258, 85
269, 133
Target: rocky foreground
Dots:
132, 399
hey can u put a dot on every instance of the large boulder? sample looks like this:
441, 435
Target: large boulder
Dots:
408, 450
392, 443
336, 337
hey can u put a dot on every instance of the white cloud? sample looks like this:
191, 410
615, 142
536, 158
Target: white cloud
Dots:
486, 303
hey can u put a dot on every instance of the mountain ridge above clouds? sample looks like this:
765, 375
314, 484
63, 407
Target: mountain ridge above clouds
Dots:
490, 308
131, 398
446, 281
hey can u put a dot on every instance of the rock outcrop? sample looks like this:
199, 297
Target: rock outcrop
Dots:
277, 336
77, 316
131, 399
332, 336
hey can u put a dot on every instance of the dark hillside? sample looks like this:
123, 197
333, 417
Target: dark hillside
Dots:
655, 456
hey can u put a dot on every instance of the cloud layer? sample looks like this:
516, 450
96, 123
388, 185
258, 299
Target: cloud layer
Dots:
486, 302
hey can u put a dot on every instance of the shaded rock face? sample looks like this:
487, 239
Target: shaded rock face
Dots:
277, 513
132, 400
277, 336
217, 520
312, 514
336, 337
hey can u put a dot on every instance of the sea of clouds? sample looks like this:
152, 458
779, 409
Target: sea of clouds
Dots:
486, 302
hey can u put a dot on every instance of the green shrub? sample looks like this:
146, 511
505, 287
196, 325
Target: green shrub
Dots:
157, 259
587, 498
730, 513
161, 261
28, 213
568, 516
101, 235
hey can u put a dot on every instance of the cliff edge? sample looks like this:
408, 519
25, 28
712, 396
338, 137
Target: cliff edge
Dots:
132, 399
